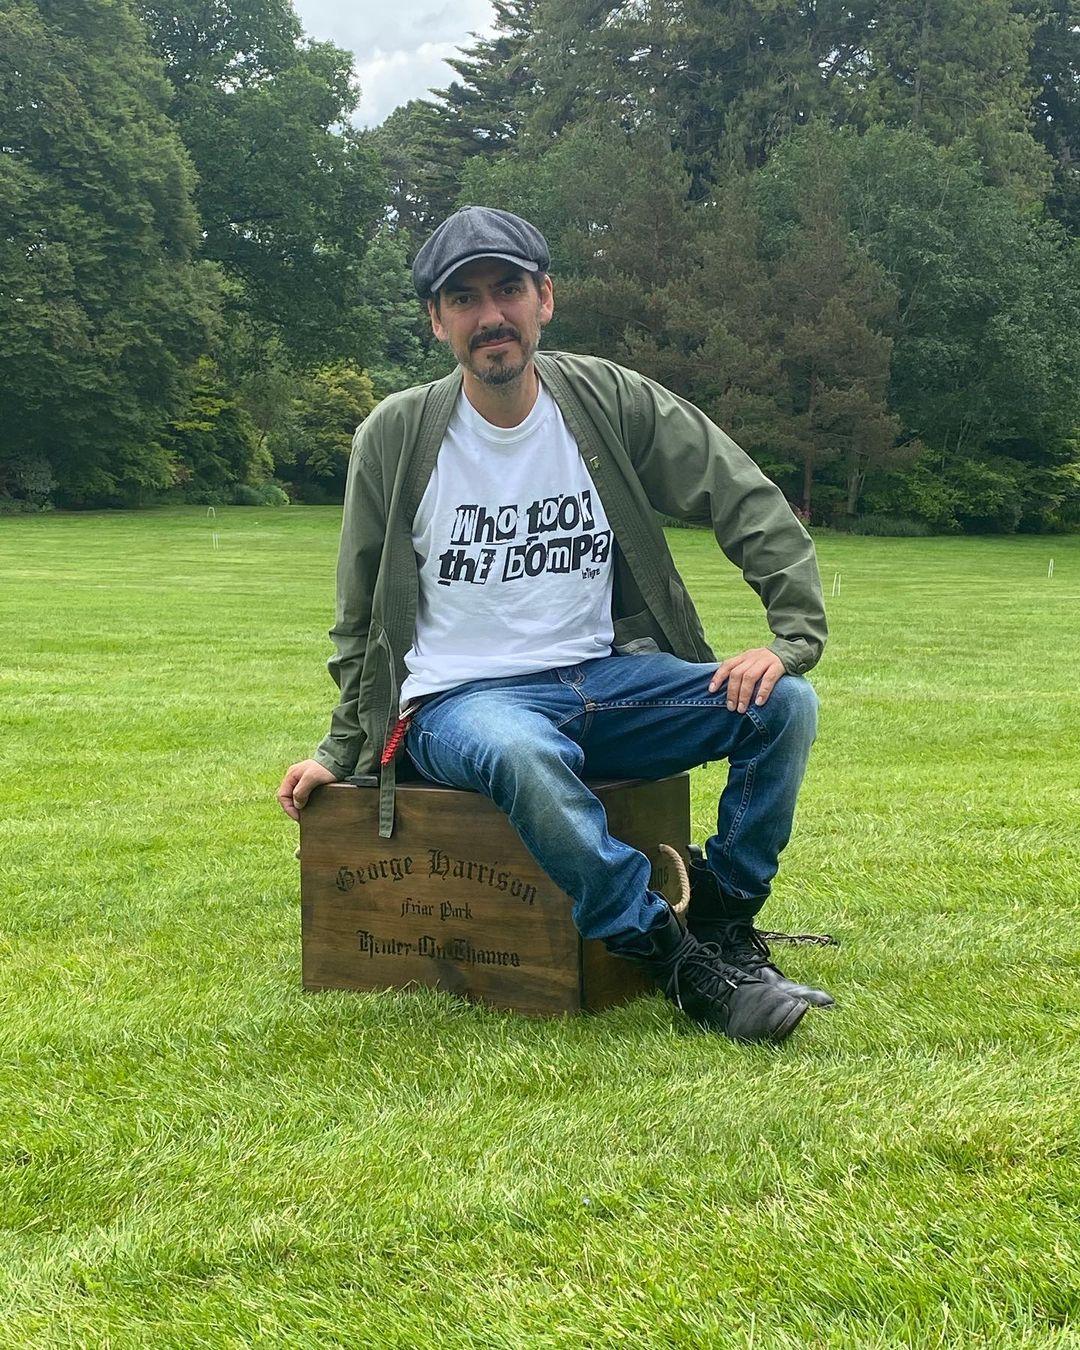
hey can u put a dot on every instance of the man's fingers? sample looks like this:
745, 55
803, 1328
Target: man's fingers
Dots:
285, 800
746, 692
759, 667
736, 681
768, 683
722, 672
287, 792
751, 673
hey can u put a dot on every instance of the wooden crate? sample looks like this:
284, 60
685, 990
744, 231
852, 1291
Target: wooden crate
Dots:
454, 900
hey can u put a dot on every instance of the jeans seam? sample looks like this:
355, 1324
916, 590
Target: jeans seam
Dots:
748, 786
583, 709
660, 703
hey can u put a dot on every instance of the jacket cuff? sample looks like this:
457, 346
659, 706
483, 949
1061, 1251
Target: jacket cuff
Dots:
340, 768
797, 654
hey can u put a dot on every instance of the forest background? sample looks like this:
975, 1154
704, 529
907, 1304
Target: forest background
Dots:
847, 232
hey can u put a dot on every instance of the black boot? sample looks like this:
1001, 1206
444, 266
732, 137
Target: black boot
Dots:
712, 993
713, 918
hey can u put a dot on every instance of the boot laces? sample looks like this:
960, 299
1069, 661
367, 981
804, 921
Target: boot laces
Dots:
702, 968
745, 945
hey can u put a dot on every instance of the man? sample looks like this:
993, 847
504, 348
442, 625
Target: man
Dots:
508, 605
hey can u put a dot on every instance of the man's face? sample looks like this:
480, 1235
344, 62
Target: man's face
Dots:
491, 314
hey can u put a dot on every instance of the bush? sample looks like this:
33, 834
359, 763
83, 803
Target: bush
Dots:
259, 494
896, 526
671, 522
19, 506
26, 485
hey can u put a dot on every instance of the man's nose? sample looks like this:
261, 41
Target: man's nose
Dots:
491, 315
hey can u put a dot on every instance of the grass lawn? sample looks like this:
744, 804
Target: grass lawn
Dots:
193, 1152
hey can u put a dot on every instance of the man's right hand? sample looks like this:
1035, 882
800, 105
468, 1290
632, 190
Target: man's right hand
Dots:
298, 782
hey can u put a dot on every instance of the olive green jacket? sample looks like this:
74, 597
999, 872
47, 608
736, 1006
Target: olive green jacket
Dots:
647, 451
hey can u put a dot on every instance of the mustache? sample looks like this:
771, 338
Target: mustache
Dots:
494, 337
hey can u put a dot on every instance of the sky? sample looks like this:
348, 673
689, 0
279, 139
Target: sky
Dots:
399, 46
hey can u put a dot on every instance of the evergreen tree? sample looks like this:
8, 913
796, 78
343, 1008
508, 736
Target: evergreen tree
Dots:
425, 145
1055, 75
986, 357
421, 170
959, 71
482, 113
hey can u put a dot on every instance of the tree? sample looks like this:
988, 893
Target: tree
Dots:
399, 354
1055, 75
482, 113
613, 207
958, 71
103, 307
425, 145
986, 354
728, 80
213, 444
289, 193
311, 451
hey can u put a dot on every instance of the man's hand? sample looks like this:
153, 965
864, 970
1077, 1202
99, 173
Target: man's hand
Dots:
742, 672
298, 782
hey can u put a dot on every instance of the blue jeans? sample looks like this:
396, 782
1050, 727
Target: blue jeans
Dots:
528, 741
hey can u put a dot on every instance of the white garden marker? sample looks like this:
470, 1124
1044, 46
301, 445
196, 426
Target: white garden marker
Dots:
836, 583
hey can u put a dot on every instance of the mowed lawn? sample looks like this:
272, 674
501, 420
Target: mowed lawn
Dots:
194, 1152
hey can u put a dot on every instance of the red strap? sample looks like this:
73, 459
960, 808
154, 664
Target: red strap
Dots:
394, 740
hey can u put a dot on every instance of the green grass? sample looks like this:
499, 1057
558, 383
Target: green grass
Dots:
193, 1152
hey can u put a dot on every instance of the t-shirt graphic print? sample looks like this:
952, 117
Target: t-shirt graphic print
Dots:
514, 554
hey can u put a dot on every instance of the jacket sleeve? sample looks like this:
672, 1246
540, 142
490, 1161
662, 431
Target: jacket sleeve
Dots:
694, 471
363, 529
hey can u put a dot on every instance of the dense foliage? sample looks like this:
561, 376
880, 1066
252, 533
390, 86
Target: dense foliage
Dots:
847, 232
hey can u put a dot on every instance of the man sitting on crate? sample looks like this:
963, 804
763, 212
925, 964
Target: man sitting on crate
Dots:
508, 610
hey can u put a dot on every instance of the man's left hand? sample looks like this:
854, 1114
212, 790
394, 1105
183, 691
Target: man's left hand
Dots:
743, 672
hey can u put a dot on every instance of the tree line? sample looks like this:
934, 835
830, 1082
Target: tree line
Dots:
847, 232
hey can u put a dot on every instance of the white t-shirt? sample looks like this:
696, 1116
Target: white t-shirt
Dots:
514, 554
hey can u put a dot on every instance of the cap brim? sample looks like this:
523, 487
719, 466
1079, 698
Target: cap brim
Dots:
507, 257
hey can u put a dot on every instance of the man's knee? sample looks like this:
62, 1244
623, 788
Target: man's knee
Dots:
792, 706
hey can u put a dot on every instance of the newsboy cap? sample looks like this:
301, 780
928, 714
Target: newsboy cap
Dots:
478, 232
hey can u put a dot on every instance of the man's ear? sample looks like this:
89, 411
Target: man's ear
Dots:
547, 301
436, 324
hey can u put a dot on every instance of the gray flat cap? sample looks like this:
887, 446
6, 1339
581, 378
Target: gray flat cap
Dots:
478, 232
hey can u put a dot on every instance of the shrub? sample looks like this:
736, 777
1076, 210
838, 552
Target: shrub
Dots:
671, 522
259, 494
20, 506
898, 526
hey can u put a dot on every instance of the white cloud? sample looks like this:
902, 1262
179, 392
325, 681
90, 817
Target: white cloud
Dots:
389, 79
399, 50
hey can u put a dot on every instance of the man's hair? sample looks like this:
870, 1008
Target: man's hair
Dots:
537, 280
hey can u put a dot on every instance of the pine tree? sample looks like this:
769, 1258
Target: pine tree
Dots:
959, 71
426, 144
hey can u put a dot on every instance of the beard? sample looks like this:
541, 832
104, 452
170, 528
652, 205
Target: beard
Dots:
504, 368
